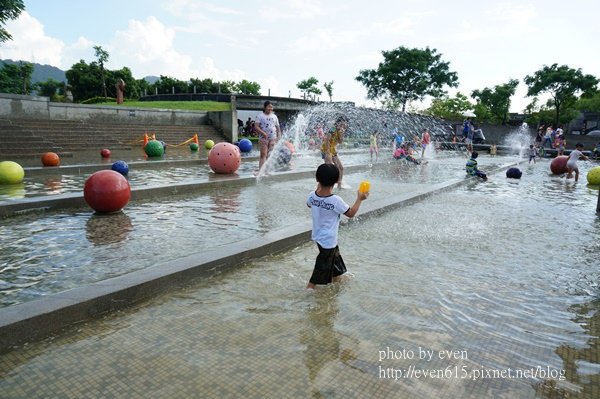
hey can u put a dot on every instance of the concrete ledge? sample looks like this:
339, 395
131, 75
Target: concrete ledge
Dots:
76, 200
90, 168
37, 319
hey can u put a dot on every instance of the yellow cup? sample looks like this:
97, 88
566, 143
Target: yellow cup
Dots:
364, 187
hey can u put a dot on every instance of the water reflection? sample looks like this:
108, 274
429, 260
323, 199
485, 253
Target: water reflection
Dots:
225, 201
13, 191
53, 185
108, 229
319, 336
582, 364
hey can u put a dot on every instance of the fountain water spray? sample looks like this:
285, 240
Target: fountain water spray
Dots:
361, 123
519, 140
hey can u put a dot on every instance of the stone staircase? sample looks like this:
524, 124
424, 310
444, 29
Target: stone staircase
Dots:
21, 138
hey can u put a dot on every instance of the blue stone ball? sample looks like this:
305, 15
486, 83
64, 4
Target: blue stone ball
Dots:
121, 167
514, 173
245, 145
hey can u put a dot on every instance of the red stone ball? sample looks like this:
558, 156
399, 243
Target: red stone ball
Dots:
106, 191
50, 159
105, 153
558, 166
224, 158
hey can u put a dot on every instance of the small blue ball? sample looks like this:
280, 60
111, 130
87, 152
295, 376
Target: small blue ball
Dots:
514, 173
121, 167
245, 145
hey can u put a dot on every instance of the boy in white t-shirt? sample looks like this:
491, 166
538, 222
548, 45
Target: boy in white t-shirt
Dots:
326, 209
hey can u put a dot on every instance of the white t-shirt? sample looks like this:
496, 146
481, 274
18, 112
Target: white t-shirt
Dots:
573, 157
326, 213
268, 124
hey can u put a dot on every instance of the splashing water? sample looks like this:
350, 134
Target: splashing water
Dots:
519, 140
430, 151
361, 123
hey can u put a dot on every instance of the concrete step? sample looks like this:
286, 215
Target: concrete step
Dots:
33, 137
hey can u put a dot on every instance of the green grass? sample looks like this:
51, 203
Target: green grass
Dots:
181, 105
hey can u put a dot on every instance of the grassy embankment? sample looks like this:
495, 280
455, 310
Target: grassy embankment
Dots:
180, 105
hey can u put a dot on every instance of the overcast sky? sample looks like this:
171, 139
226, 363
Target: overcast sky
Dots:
280, 43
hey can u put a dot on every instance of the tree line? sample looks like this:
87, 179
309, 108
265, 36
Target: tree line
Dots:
404, 75
92, 82
407, 74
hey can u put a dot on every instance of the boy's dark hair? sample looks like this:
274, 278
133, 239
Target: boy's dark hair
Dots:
266, 104
474, 154
530, 145
328, 174
578, 145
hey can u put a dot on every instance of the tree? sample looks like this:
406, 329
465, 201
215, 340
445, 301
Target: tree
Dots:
133, 87
495, 101
309, 86
167, 84
84, 80
329, 89
562, 83
451, 108
247, 87
16, 78
25, 72
408, 74
49, 88
227, 86
590, 102
143, 87
102, 57
204, 85
9, 9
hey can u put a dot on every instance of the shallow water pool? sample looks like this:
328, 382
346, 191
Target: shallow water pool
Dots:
485, 278
50, 252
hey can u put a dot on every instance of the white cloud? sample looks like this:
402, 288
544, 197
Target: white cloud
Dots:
320, 41
469, 32
198, 17
397, 26
148, 48
82, 43
502, 21
183, 7
30, 42
272, 83
511, 16
292, 9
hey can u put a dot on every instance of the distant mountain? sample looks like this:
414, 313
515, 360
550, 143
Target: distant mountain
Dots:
151, 79
41, 73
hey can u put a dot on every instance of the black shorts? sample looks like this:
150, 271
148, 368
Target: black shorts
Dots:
329, 264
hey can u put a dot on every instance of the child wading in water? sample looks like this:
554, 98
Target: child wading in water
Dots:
572, 162
373, 145
471, 167
326, 209
533, 153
